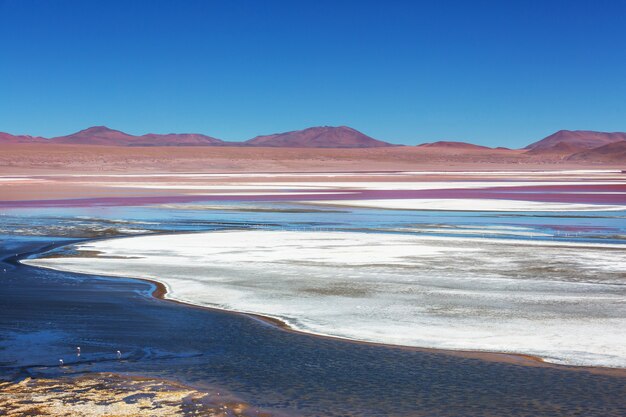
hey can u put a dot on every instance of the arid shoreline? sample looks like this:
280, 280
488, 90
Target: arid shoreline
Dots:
160, 292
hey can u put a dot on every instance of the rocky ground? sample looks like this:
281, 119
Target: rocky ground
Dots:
114, 395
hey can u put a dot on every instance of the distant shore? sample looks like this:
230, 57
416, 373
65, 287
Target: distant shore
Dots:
92, 159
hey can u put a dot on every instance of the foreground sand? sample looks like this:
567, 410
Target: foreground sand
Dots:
113, 395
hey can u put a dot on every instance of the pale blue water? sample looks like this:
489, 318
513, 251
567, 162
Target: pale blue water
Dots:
589, 226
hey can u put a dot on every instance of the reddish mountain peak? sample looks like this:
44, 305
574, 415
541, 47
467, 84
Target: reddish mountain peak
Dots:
452, 145
578, 139
319, 137
330, 129
96, 135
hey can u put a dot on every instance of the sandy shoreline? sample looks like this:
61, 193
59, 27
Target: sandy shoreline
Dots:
160, 292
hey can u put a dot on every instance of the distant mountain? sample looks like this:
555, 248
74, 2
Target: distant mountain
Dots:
575, 140
97, 135
443, 144
613, 152
177, 139
102, 135
319, 137
9, 138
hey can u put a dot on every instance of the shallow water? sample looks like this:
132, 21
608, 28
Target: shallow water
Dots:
46, 314
90, 221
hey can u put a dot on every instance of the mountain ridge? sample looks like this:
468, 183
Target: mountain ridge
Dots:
563, 144
102, 135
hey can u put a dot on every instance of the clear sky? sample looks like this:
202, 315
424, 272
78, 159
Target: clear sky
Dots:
490, 72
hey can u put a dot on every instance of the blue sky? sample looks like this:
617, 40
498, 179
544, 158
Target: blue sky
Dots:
499, 73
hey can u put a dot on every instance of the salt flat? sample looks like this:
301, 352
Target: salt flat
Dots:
468, 204
564, 302
352, 185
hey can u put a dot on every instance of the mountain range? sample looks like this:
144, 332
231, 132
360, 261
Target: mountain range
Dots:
565, 144
313, 137
102, 135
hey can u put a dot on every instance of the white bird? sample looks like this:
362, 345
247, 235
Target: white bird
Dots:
61, 362
77, 350
119, 354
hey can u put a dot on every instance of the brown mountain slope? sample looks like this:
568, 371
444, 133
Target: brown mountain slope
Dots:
577, 139
613, 152
559, 149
